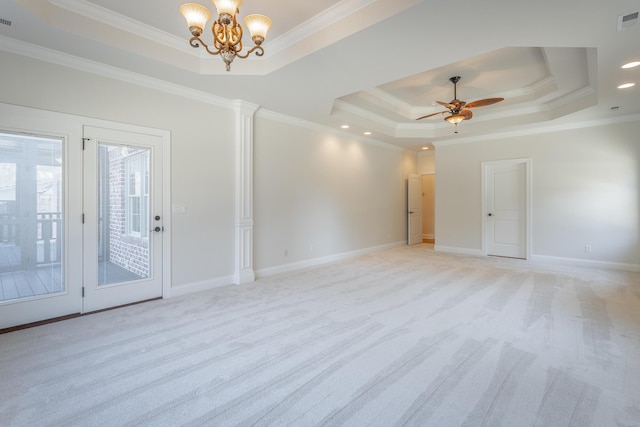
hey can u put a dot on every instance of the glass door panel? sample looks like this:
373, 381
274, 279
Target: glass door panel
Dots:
123, 214
31, 216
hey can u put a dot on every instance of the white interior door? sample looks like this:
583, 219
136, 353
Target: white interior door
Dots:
506, 210
414, 211
123, 224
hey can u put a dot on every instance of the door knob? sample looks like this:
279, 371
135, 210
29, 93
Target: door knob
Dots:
158, 229
490, 214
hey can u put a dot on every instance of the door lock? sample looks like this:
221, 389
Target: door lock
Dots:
157, 229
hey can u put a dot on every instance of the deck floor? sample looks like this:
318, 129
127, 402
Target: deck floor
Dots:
16, 283
28, 283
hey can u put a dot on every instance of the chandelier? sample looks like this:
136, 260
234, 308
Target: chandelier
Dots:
227, 32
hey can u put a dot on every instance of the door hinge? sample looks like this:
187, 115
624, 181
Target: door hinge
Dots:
83, 292
83, 142
83, 218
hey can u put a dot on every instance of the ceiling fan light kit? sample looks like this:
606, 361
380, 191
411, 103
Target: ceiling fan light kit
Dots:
459, 110
227, 32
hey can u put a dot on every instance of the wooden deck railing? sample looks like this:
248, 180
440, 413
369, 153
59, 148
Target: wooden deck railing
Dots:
9, 228
48, 244
49, 227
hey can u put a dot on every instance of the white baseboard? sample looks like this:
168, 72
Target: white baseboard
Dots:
575, 262
461, 251
204, 285
285, 268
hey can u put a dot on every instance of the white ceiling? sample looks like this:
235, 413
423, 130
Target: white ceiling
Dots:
376, 65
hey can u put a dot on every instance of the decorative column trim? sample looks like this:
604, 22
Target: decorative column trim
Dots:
243, 271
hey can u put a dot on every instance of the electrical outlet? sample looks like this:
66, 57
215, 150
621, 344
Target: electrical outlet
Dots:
587, 249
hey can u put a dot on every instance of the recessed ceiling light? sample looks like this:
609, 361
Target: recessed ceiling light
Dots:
626, 85
631, 64
345, 126
425, 148
367, 133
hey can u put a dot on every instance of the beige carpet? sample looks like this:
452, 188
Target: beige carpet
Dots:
400, 337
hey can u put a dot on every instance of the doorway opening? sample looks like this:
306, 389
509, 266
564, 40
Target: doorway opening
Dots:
429, 208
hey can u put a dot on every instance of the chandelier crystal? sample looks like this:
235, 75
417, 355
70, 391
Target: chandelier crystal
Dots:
227, 32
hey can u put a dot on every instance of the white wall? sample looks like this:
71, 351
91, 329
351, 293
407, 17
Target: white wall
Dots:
319, 193
586, 191
426, 162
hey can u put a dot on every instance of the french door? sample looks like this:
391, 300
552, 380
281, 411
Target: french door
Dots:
81, 215
36, 237
123, 220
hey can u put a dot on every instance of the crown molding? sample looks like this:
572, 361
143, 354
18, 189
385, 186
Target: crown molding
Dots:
306, 124
53, 56
124, 23
335, 13
341, 20
528, 130
536, 90
328, 17
29, 50
572, 97
388, 124
390, 102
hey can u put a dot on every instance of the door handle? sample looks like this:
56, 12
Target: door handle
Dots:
157, 229
410, 212
490, 214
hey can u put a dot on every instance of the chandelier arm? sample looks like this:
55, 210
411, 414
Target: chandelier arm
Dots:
257, 49
211, 52
197, 42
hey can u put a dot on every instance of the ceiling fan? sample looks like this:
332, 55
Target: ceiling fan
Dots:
460, 110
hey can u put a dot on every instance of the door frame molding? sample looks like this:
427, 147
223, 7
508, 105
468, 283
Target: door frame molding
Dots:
528, 186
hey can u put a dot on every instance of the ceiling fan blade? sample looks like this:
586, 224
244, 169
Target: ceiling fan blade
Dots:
467, 114
431, 115
483, 102
446, 105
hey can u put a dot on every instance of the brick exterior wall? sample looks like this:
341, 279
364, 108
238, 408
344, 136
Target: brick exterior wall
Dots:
127, 251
